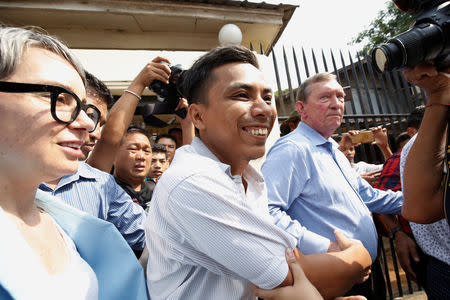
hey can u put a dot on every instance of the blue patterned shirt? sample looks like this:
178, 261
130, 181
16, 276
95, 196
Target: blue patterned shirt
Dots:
313, 190
97, 193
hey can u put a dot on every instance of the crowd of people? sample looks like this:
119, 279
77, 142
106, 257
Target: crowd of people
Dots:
93, 208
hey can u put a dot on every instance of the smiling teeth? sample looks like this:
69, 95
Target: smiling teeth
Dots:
260, 131
72, 145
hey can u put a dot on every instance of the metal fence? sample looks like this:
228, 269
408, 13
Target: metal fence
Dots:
372, 99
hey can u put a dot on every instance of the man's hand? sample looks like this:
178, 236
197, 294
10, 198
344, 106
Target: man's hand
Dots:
345, 243
380, 136
301, 289
436, 84
406, 250
187, 126
346, 140
371, 177
334, 247
154, 70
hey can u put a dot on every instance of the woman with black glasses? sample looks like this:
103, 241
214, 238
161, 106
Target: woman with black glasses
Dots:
49, 250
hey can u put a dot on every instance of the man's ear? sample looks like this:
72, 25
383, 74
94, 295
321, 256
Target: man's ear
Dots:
300, 106
196, 112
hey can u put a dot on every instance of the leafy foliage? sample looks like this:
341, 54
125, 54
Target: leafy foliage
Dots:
389, 23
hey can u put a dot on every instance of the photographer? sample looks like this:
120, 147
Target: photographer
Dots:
423, 188
421, 169
121, 114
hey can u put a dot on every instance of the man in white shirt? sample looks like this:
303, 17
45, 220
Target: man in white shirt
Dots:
209, 232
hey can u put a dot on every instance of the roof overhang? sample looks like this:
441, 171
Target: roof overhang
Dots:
151, 25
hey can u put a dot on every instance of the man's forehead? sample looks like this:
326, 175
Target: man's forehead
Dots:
239, 74
159, 155
95, 100
165, 140
328, 85
136, 138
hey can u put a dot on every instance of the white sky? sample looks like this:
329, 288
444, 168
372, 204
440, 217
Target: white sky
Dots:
329, 23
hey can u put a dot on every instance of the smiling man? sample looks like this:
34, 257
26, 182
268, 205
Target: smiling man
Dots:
132, 165
208, 231
316, 191
99, 96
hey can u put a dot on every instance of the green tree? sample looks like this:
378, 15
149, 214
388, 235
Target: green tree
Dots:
389, 23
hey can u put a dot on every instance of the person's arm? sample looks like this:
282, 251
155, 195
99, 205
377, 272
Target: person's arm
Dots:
423, 174
301, 288
127, 216
252, 247
343, 269
121, 114
381, 140
405, 247
187, 127
371, 177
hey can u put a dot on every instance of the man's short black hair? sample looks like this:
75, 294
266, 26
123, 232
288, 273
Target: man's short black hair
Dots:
414, 119
158, 148
404, 136
96, 88
135, 129
165, 135
200, 74
175, 129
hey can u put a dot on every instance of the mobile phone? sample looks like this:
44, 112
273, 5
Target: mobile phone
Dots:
363, 137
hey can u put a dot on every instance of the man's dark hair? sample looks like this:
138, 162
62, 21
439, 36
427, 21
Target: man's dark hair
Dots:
165, 135
97, 89
175, 129
414, 119
158, 148
404, 136
134, 129
200, 74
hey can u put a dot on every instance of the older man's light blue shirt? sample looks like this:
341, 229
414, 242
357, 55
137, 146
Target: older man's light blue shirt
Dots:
313, 190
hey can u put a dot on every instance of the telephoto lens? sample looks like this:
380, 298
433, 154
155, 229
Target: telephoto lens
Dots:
427, 40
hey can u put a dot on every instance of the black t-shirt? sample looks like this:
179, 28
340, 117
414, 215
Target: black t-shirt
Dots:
142, 197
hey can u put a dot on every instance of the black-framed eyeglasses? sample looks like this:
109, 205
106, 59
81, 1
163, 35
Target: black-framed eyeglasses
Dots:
65, 106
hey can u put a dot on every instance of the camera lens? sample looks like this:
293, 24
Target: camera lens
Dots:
423, 42
387, 57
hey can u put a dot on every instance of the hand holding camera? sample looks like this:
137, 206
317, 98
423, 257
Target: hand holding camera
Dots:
156, 70
436, 84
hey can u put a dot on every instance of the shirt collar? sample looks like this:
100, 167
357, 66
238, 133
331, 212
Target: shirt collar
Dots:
315, 137
84, 171
201, 149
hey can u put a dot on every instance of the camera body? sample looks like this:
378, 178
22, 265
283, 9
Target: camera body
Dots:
169, 92
427, 40
169, 96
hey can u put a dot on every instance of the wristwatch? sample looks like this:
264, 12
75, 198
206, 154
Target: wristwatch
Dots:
393, 231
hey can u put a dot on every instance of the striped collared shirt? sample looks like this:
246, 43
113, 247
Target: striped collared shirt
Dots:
97, 193
207, 236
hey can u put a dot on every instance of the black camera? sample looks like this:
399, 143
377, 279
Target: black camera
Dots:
169, 96
427, 40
